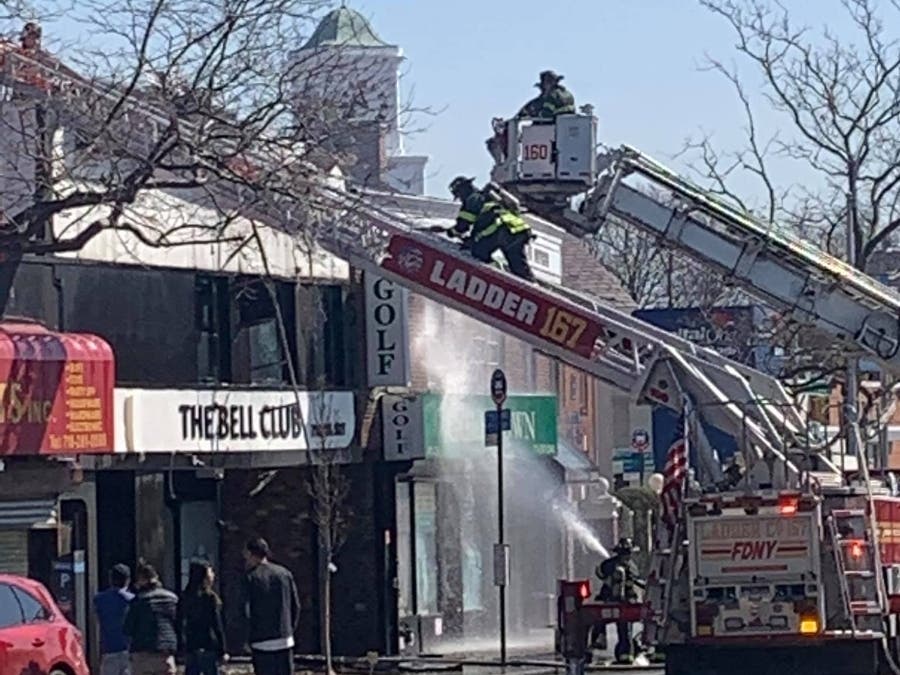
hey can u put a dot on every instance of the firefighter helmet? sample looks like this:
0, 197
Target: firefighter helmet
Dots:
550, 75
458, 183
625, 545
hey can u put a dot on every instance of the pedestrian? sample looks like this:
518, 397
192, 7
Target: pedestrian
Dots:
151, 623
110, 606
200, 622
272, 609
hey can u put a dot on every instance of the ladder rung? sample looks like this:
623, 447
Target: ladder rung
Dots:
859, 573
865, 608
848, 513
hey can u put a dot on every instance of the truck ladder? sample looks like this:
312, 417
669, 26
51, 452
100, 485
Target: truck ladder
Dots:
854, 548
587, 334
768, 261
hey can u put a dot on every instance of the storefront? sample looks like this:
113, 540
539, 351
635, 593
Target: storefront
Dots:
447, 524
197, 471
56, 406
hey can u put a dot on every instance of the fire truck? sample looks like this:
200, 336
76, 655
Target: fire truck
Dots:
797, 569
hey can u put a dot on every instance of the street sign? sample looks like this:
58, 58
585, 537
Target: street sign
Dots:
627, 460
493, 426
498, 387
640, 440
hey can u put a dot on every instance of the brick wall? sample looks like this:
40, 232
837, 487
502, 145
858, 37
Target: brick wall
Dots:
282, 514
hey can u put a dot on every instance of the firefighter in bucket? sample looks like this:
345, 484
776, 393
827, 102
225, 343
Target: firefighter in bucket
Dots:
621, 583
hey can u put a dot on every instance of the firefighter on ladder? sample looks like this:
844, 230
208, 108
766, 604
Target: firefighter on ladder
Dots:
487, 224
621, 582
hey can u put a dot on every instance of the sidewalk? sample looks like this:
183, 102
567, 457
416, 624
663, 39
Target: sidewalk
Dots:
246, 669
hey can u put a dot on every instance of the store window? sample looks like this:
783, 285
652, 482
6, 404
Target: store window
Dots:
472, 570
267, 360
426, 548
213, 334
262, 343
404, 553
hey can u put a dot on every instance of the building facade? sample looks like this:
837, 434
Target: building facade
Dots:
224, 375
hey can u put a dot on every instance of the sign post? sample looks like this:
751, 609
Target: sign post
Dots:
501, 551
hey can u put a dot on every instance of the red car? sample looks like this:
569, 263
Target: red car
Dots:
35, 637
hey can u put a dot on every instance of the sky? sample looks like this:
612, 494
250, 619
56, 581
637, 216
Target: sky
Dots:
639, 62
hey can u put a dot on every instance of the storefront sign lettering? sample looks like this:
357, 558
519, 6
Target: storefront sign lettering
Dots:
215, 421
517, 305
50, 405
386, 333
225, 422
401, 419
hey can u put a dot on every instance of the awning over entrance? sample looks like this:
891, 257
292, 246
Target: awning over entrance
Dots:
56, 391
576, 464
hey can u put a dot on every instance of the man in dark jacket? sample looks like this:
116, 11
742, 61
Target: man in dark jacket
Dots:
152, 625
272, 610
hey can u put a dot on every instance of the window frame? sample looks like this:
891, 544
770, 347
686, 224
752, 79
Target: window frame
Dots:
18, 604
19, 593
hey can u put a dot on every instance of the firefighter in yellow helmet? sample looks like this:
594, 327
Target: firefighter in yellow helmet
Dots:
488, 225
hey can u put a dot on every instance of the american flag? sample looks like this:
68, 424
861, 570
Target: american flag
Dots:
675, 475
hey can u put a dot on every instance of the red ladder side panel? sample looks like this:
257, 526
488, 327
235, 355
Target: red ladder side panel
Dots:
520, 306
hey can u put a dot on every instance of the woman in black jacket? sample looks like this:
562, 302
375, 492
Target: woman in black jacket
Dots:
201, 622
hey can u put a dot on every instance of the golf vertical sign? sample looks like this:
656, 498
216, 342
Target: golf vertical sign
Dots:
387, 335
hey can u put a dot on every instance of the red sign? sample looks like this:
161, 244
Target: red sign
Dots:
753, 550
56, 392
518, 305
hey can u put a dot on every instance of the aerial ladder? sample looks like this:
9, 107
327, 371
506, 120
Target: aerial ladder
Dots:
656, 367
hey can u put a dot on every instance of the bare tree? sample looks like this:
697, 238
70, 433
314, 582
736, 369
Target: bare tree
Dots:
835, 95
837, 100
174, 124
655, 276
329, 488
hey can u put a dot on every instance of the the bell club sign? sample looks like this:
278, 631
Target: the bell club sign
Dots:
515, 304
56, 392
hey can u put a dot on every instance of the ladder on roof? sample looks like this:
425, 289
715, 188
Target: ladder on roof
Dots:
611, 345
769, 261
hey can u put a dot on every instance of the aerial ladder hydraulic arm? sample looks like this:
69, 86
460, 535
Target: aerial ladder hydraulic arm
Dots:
771, 263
